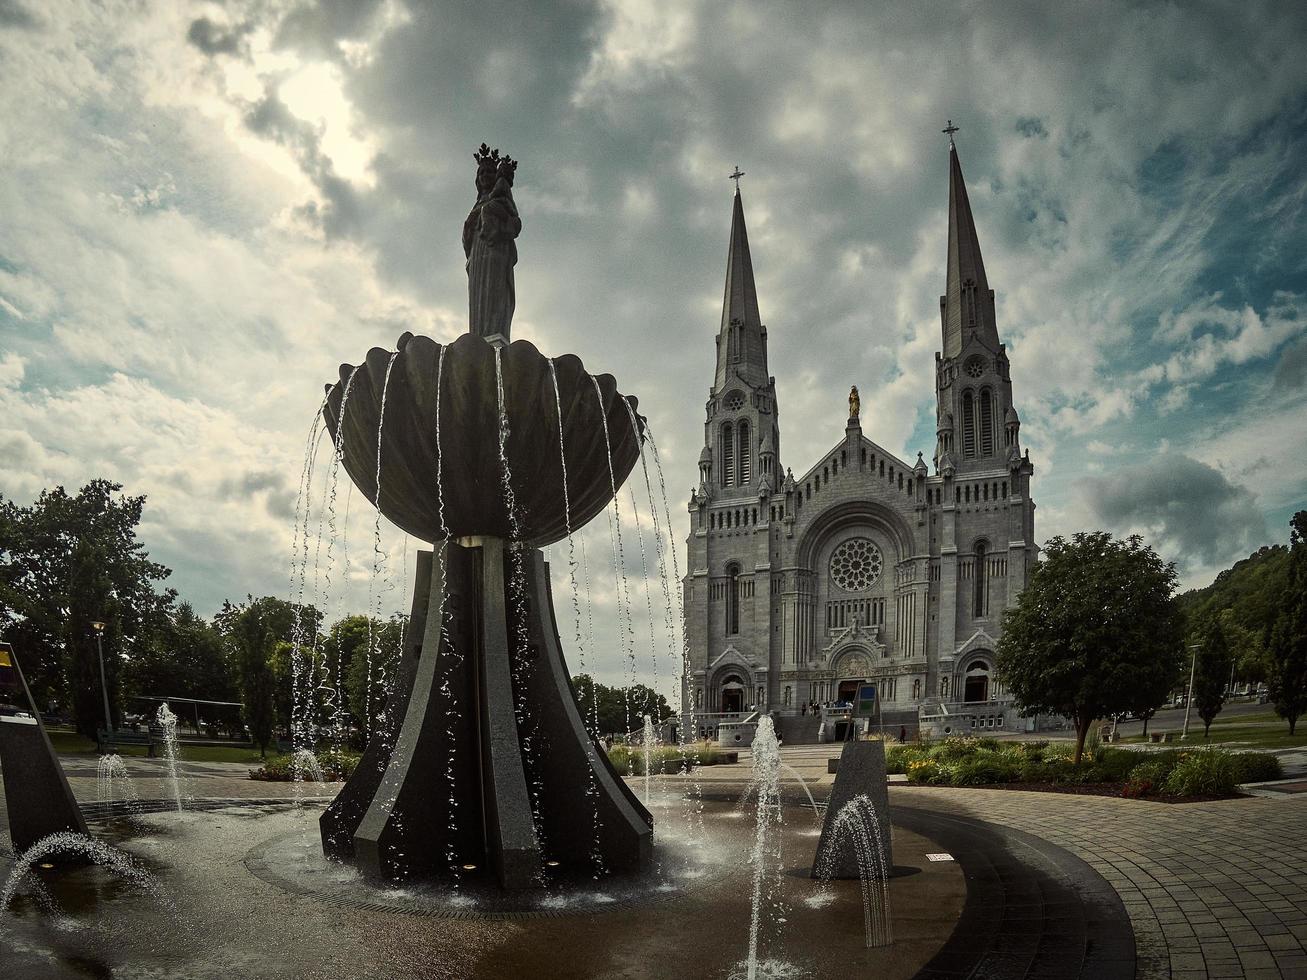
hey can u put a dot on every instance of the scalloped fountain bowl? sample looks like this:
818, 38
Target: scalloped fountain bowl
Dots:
471, 473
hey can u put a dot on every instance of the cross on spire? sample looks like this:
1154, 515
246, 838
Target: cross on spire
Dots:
736, 177
950, 129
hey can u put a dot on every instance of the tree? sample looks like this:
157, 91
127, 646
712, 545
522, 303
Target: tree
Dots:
368, 678
283, 622
1212, 663
607, 710
68, 561
185, 658
1286, 642
1097, 631
252, 632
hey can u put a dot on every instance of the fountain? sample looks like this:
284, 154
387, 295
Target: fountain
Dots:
649, 743
111, 772
858, 822
766, 840
482, 755
168, 722
66, 846
38, 799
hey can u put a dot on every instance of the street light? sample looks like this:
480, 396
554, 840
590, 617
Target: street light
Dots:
1189, 700
104, 686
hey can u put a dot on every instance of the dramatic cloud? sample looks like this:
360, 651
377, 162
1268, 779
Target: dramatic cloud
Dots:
1185, 508
207, 208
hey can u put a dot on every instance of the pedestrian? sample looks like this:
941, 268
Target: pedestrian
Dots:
903, 733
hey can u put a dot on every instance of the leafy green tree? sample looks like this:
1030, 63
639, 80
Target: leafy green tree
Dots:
1096, 631
606, 710
368, 679
253, 632
65, 562
1286, 643
185, 658
1212, 662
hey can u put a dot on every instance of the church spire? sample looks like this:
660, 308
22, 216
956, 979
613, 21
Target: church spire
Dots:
967, 306
742, 341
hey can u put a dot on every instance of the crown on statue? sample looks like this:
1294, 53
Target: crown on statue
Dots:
489, 161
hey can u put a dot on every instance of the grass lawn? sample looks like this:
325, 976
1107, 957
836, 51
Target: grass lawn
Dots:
68, 742
1264, 730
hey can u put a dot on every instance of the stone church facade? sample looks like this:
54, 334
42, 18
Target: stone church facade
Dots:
866, 567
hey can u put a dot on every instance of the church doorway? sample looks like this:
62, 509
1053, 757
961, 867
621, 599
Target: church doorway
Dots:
732, 697
976, 683
848, 690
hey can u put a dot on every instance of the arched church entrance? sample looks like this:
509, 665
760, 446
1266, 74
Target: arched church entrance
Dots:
852, 669
732, 693
976, 682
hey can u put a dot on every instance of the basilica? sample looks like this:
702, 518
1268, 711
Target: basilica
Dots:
866, 568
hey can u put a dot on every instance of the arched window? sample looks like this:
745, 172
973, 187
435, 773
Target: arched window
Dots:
733, 600
981, 591
746, 455
728, 455
968, 425
986, 423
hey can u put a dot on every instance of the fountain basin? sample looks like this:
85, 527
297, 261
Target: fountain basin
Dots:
470, 480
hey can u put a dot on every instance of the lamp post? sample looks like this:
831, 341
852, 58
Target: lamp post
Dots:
1189, 698
104, 686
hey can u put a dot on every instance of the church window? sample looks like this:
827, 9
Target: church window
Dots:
733, 600
755, 515
734, 401
975, 367
900, 479
966, 493
968, 425
728, 455
746, 455
864, 457
807, 491
882, 466
985, 490
986, 423
891, 474
856, 564
1005, 488
981, 591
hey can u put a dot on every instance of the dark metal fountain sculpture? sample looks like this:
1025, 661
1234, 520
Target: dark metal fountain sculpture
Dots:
491, 451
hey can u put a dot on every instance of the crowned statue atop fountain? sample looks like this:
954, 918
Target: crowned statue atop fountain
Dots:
488, 242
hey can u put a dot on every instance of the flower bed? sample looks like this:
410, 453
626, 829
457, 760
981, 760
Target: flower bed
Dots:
336, 765
1202, 773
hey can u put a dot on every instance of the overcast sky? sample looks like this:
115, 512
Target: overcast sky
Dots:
205, 209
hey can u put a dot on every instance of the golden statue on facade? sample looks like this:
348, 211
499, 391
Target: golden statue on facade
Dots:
854, 402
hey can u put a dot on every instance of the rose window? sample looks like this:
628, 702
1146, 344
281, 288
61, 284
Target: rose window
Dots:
975, 367
855, 565
734, 401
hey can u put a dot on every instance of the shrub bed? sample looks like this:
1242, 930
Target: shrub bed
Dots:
336, 765
1178, 773
628, 760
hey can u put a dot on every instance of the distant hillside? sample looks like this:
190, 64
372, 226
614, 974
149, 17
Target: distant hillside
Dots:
1249, 589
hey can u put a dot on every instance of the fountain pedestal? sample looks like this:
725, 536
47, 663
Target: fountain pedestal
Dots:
483, 758
861, 772
38, 799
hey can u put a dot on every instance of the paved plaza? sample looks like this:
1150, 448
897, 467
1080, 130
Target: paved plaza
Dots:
1214, 889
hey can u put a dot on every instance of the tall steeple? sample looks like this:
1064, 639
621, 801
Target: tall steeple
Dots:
742, 340
967, 306
741, 456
